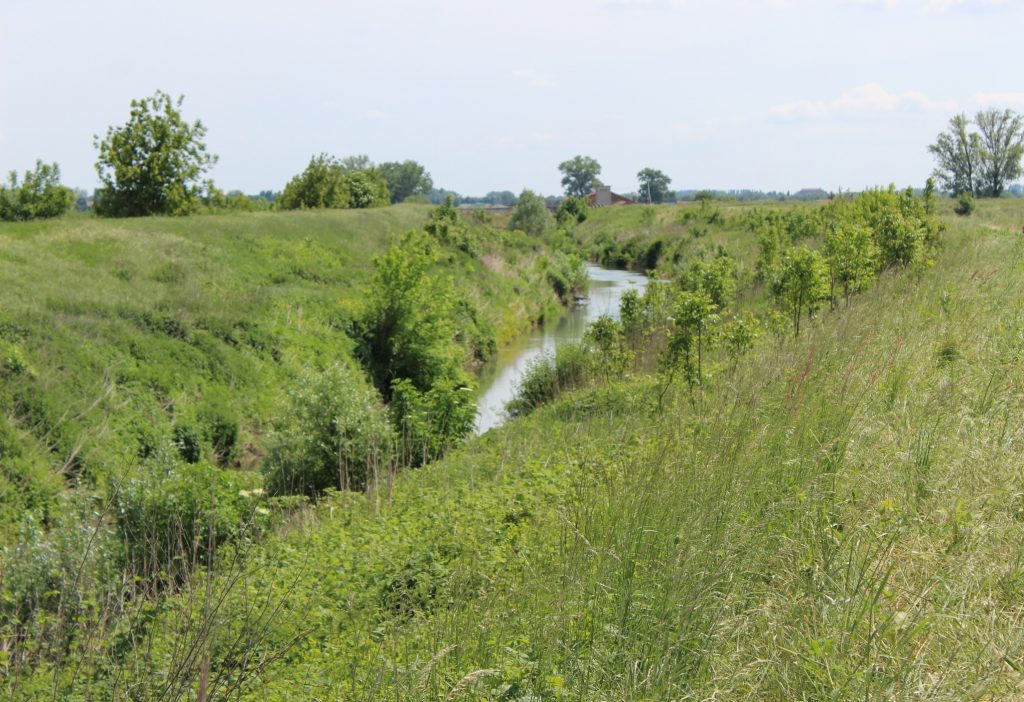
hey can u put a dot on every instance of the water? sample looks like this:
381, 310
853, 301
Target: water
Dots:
498, 379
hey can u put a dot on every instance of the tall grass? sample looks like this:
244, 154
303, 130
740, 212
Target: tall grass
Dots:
838, 518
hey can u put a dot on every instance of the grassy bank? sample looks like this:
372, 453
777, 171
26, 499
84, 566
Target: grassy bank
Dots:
836, 517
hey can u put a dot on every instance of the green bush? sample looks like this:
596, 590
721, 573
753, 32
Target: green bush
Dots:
170, 514
429, 423
964, 205
333, 433
39, 195
549, 376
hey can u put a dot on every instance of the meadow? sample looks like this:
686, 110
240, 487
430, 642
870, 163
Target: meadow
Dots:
832, 515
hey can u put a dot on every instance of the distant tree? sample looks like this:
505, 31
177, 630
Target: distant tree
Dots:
653, 185
326, 184
38, 195
322, 184
367, 188
154, 163
405, 179
1002, 139
360, 162
958, 153
579, 175
530, 214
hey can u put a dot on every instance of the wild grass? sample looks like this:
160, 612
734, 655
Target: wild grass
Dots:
836, 517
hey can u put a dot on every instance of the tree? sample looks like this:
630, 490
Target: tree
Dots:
1002, 140
360, 162
154, 163
958, 153
327, 184
573, 210
853, 258
579, 175
530, 214
38, 195
322, 184
406, 179
801, 283
653, 184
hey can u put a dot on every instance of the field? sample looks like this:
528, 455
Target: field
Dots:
835, 515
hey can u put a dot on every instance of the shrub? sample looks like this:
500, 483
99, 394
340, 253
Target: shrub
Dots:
37, 196
964, 204
333, 433
431, 422
530, 214
172, 514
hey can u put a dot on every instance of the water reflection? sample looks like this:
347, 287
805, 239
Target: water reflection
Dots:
498, 379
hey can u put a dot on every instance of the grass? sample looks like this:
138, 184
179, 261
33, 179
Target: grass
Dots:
838, 518
118, 330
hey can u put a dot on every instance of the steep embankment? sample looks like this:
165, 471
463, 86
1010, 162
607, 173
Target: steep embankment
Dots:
837, 517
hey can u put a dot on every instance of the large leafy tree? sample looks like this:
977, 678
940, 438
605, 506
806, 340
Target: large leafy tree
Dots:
980, 163
406, 179
1002, 139
579, 175
957, 152
153, 164
653, 184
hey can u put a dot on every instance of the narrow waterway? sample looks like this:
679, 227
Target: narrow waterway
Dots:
499, 378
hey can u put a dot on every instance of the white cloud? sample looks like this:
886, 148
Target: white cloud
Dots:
871, 97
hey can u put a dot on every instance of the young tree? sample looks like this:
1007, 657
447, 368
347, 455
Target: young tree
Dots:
153, 164
406, 179
38, 195
852, 257
1002, 139
579, 175
958, 153
530, 214
801, 283
653, 185
693, 316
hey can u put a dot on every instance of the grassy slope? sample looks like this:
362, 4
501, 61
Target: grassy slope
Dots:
841, 518
126, 325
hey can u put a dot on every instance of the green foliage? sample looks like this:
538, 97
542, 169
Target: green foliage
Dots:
964, 205
980, 163
530, 214
445, 225
332, 432
431, 422
567, 276
573, 210
549, 376
579, 175
653, 185
328, 183
154, 163
39, 195
171, 516
406, 329
406, 179
853, 259
716, 278
801, 283
694, 317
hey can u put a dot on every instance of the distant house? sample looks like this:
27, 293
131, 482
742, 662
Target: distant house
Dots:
602, 196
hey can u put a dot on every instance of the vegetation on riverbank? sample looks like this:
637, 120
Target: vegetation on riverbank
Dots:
833, 516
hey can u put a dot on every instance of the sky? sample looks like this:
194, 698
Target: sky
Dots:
760, 94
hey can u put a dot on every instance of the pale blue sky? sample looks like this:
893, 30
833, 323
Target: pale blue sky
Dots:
769, 94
